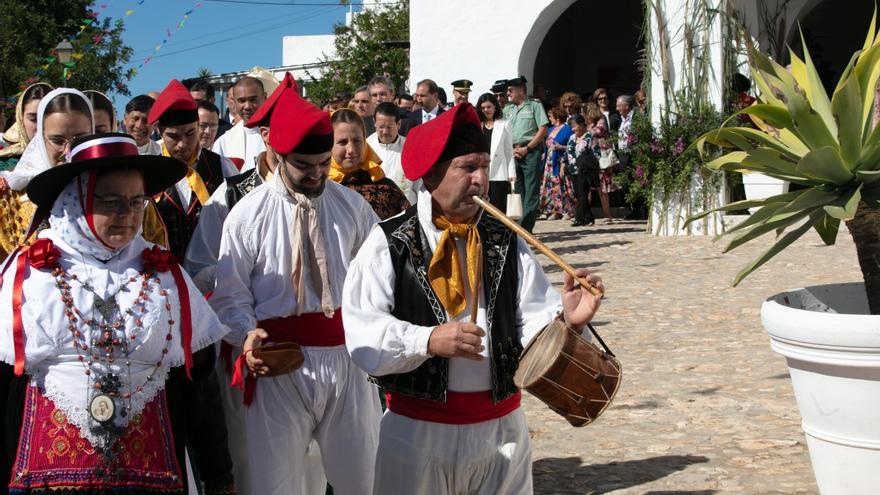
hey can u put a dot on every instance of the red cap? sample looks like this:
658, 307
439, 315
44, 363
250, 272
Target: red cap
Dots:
175, 106
265, 111
298, 125
425, 144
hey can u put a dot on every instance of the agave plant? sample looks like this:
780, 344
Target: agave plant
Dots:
830, 146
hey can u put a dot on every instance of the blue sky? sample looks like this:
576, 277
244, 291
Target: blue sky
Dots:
237, 36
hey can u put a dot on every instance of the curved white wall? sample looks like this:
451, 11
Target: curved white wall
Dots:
482, 41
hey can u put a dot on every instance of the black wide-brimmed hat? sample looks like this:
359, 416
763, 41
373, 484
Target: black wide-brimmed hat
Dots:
105, 152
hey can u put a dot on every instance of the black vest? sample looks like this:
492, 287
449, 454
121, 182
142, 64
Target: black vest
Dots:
239, 185
415, 302
179, 222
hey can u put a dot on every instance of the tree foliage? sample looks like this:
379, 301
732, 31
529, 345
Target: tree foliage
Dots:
33, 28
363, 51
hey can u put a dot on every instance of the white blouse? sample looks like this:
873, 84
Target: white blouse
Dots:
255, 265
380, 344
50, 358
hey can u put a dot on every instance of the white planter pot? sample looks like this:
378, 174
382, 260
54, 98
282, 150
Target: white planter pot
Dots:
832, 346
760, 186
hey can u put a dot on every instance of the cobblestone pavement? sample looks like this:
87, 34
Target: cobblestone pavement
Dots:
705, 406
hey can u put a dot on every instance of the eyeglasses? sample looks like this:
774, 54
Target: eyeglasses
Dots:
601, 98
206, 126
60, 142
119, 204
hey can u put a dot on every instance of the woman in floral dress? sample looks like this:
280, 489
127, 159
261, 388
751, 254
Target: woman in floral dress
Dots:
557, 198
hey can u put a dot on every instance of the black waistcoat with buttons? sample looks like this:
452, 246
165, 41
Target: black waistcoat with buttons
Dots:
180, 218
416, 302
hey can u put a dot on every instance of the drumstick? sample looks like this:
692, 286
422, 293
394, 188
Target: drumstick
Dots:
540, 246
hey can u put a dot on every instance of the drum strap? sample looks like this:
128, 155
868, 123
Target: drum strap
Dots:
602, 342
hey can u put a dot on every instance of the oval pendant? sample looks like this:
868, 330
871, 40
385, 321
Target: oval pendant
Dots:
102, 408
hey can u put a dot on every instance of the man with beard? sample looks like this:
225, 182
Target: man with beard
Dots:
242, 144
136, 123
175, 113
283, 258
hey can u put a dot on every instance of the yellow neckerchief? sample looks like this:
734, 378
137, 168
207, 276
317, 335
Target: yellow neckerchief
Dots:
370, 161
444, 271
16, 136
193, 178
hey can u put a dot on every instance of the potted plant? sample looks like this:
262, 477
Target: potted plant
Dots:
829, 335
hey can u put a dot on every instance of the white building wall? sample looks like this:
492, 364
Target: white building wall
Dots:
482, 41
309, 49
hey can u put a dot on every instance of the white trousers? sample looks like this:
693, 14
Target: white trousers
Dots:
314, 481
328, 400
492, 457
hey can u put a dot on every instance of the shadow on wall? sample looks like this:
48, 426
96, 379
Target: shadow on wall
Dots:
567, 475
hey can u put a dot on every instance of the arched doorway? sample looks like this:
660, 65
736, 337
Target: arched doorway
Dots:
832, 34
592, 44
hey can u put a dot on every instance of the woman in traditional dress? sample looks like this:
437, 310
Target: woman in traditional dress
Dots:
105, 114
92, 320
355, 165
17, 137
556, 189
62, 115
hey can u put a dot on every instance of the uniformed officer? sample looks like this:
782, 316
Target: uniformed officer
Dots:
528, 124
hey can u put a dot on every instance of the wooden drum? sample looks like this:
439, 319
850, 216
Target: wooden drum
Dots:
571, 375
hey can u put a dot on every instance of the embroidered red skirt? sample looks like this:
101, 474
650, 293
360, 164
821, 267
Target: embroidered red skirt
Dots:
52, 457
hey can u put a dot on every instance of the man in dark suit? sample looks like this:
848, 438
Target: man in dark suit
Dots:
427, 97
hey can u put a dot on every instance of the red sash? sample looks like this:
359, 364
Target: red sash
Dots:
460, 408
310, 329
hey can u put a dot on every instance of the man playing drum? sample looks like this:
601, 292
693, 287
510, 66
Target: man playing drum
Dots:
447, 359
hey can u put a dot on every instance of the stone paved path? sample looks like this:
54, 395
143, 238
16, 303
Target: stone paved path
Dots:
705, 406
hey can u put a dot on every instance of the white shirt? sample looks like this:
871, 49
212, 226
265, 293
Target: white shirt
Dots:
428, 116
240, 142
52, 360
151, 148
391, 165
380, 344
255, 263
204, 247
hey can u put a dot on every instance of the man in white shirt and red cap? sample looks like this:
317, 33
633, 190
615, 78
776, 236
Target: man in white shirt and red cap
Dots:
454, 422
283, 258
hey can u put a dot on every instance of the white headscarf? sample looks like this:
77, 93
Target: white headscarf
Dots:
70, 218
35, 158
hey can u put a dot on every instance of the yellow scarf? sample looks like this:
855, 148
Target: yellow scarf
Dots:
16, 136
370, 161
444, 271
193, 178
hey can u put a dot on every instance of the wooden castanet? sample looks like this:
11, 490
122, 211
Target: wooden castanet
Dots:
571, 375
